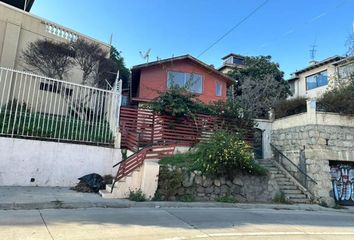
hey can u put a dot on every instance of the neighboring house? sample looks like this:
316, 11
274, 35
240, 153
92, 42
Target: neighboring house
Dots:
231, 62
318, 77
150, 79
18, 28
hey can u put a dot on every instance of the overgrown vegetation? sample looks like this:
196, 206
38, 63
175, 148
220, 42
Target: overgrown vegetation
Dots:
227, 198
136, 196
223, 155
187, 198
169, 182
280, 197
289, 107
184, 160
22, 122
339, 100
259, 84
179, 102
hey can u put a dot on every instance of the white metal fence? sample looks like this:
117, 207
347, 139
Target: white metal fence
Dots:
33, 106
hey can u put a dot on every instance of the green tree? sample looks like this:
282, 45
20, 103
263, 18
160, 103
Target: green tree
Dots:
109, 67
259, 85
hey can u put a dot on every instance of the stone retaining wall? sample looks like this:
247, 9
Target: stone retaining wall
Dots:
321, 144
244, 188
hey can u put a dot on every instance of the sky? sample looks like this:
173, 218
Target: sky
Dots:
283, 29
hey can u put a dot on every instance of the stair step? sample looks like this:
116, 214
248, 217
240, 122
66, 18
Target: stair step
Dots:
291, 191
282, 179
288, 187
306, 201
288, 183
105, 194
108, 187
295, 196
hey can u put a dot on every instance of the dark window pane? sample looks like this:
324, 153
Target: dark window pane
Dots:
316, 80
175, 79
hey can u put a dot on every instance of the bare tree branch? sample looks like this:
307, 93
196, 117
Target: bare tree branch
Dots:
88, 56
49, 58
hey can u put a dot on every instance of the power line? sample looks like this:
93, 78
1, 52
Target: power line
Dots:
294, 29
234, 27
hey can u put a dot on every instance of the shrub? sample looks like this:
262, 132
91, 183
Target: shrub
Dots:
227, 198
280, 197
225, 154
323, 204
290, 107
187, 198
157, 196
176, 102
137, 196
179, 102
339, 100
169, 182
184, 160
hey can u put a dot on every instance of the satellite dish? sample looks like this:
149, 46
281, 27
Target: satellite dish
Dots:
145, 55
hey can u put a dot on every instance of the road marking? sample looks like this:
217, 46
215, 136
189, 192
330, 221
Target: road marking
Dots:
260, 234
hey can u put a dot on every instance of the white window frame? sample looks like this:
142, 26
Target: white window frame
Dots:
216, 89
313, 75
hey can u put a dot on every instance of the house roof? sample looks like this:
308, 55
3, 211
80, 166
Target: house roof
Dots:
185, 57
20, 4
319, 64
344, 60
234, 55
293, 79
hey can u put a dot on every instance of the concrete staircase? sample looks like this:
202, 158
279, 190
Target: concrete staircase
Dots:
293, 192
138, 172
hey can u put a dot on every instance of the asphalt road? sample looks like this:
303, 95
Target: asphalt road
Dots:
174, 224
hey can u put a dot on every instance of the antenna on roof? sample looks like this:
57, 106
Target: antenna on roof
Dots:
313, 50
145, 55
110, 39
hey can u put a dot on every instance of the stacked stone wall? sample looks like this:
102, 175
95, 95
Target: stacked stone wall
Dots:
320, 144
244, 188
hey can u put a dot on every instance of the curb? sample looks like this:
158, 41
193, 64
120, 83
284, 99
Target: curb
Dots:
63, 205
149, 204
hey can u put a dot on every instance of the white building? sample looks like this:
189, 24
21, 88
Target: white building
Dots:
318, 77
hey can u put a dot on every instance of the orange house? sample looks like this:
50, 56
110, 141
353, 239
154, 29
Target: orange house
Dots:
150, 79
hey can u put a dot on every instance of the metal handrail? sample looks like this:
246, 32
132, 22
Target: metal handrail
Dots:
294, 165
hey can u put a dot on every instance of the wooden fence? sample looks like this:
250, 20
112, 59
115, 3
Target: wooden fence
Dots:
141, 127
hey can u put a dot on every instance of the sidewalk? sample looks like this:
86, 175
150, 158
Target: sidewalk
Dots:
15, 198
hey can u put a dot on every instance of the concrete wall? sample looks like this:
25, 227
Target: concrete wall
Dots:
52, 163
19, 28
266, 127
323, 137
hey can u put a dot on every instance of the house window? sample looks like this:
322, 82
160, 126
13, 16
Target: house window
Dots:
317, 80
54, 88
346, 71
238, 61
218, 89
193, 82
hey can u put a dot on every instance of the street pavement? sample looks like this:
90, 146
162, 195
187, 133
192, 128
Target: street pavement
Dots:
174, 224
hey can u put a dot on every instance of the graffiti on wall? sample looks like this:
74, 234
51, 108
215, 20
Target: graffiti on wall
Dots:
343, 184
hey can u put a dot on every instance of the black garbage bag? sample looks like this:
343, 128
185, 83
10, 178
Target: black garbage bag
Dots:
93, 181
